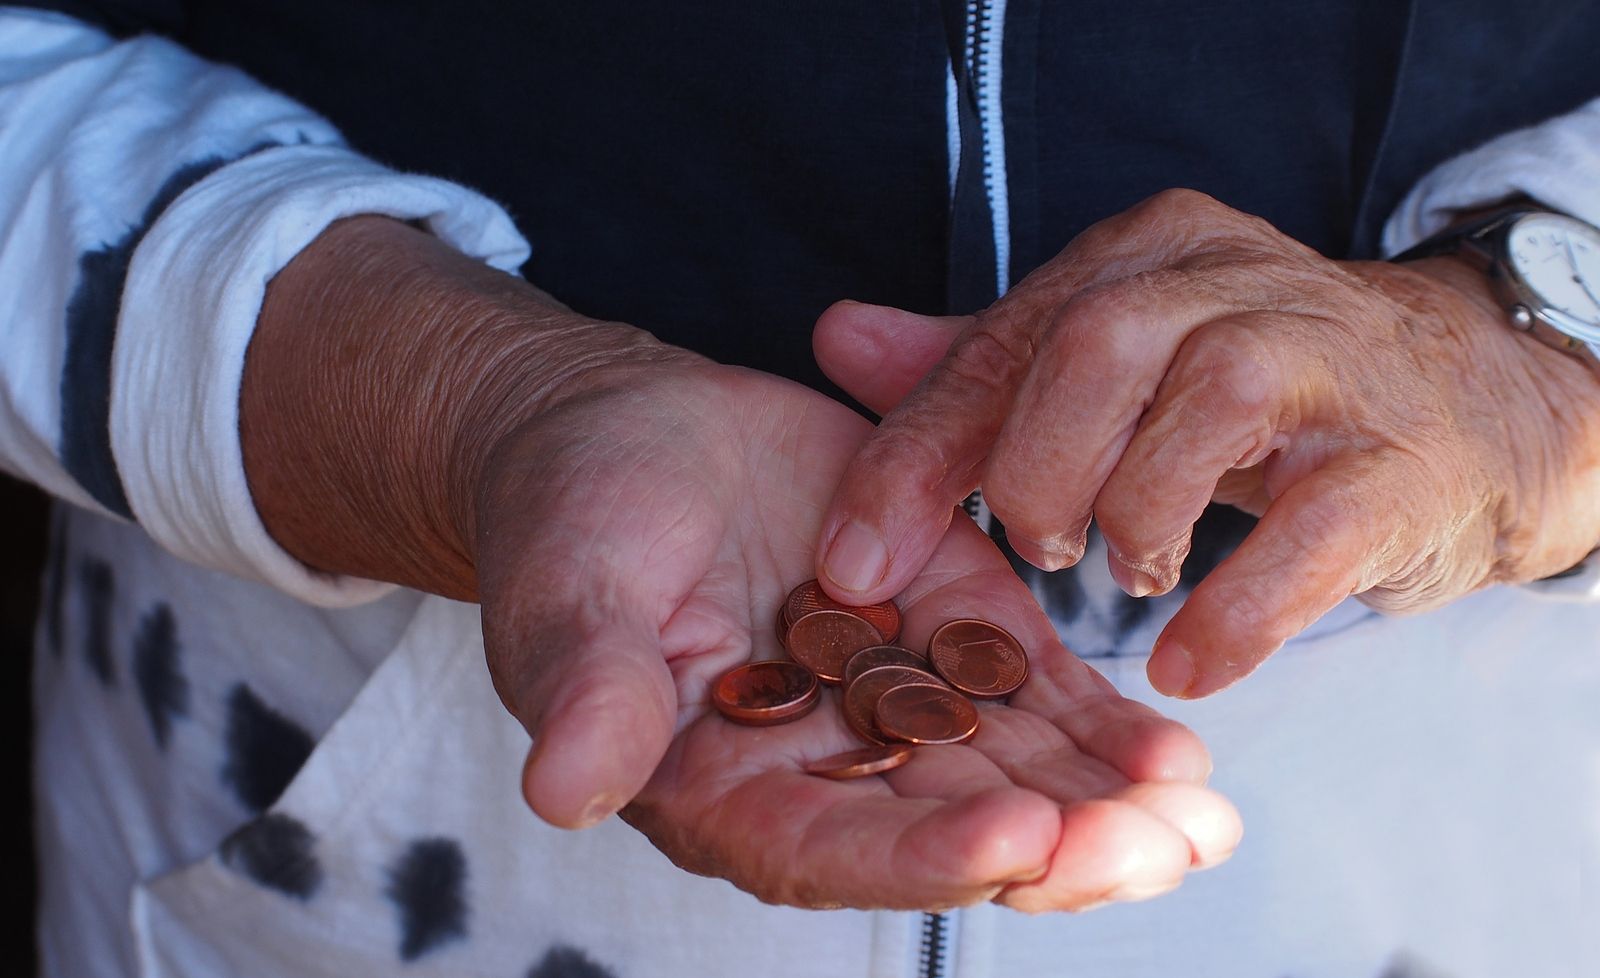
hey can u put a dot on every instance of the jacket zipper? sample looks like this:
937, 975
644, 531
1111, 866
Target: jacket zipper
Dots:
984, 48
985, 44
934, 961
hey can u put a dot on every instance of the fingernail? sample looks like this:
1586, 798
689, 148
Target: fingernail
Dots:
600, 808
1136, 583
1146, 891
857, 558
1216, 860
1058, 551
1171, 669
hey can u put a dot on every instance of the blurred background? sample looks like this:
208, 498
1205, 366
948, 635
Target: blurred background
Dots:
24, 518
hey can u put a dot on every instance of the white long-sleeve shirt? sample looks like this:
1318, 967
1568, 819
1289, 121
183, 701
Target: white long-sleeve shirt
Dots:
249, 769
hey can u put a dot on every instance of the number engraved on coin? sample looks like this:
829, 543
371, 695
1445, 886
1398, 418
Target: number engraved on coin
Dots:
810, 597
764, 693
926, 715
861, 762
883, 655
978, 657
861, 696
824, 641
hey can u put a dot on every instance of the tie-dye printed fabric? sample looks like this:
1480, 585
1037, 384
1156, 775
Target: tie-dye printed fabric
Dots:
209, 811
234, 782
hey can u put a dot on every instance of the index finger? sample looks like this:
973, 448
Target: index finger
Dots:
896, 497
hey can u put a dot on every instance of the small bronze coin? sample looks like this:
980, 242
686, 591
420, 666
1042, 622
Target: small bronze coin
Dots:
810, 597
978, 657
861, 762
824, 641
862, 695
761, 694
874, 656
783, 625
926, 714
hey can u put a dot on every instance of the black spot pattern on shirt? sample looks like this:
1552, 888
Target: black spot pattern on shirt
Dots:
567, 962
264, 750
1130, 614
98, 587
1060, 594
428, 886
1405, 964
162, 685
276, 851
90, 330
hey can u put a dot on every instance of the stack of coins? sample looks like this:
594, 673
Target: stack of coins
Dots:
893, 697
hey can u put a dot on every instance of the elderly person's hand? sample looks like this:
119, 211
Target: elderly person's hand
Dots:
1398, 440
630, 516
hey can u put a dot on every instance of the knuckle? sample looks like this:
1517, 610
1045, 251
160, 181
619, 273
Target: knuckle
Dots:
1233, 370
990, 355
1328, 527
898, 466
1202, 221
1096, 325
1252, 613
1322, 526
1176, 202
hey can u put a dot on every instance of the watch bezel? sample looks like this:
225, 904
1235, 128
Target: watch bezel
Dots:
1555, 326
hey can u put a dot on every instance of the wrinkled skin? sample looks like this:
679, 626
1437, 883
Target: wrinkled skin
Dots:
1398, 440
630, 516
634, 542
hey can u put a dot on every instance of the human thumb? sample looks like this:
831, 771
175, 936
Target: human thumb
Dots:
600, 703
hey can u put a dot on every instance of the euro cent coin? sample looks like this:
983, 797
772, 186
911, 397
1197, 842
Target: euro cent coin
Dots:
824, 641
761, 694
926, 714
861, 762
979, 658
783, 626
861, 697
810, 597
874, 656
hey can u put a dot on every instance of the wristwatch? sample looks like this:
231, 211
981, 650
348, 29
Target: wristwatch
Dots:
1544, 267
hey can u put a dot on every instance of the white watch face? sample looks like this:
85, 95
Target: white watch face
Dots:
1559, 259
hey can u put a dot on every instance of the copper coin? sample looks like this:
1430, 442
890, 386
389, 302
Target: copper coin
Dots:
979, 658
810, 597
761, 694
824, 641
874, 656
861, 697
861, 762
783, 625
926, 714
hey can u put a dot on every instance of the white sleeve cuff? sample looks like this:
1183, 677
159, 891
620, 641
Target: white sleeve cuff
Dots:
194, 290
1556, 162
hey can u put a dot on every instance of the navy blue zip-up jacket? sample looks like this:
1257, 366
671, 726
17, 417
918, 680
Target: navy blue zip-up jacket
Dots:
719, 172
